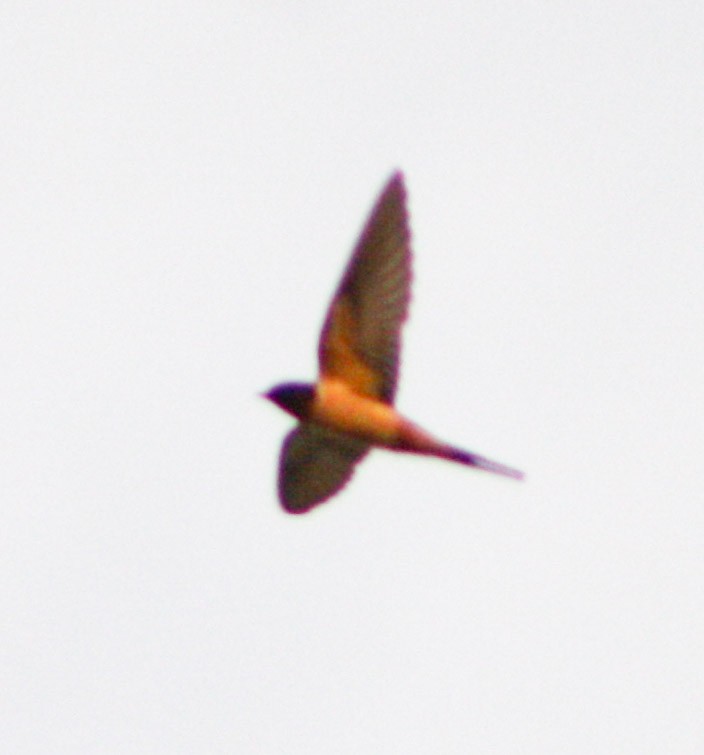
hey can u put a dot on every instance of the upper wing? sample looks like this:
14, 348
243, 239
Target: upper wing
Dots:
315, 463
361, 337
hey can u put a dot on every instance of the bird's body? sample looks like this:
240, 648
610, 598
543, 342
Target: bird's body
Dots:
339, 407
350, 409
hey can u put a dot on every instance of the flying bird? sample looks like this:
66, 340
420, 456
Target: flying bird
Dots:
350, 409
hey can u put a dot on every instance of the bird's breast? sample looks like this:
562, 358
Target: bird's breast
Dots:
338, 407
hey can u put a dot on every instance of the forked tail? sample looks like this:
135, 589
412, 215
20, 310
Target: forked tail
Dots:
474, 460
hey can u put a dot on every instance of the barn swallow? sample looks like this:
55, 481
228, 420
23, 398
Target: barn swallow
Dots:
351, 407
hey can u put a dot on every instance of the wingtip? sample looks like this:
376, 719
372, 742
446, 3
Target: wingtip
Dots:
395, 192
397, 180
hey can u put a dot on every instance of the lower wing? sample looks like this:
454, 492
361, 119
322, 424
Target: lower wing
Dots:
315, 464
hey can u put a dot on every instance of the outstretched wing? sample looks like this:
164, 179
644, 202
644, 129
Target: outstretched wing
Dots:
361, 337
315, 463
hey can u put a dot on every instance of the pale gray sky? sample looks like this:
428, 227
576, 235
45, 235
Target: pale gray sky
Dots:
181, 186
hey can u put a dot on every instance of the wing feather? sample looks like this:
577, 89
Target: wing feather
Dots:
361, 338
315, 464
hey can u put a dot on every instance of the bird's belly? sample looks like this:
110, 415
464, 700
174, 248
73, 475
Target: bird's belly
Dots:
373, 421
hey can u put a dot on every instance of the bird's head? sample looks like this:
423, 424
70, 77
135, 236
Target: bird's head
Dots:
294, 398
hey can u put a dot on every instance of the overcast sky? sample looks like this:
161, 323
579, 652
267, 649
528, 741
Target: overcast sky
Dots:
181, 186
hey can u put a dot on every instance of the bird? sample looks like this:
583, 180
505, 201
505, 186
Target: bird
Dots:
350, 409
